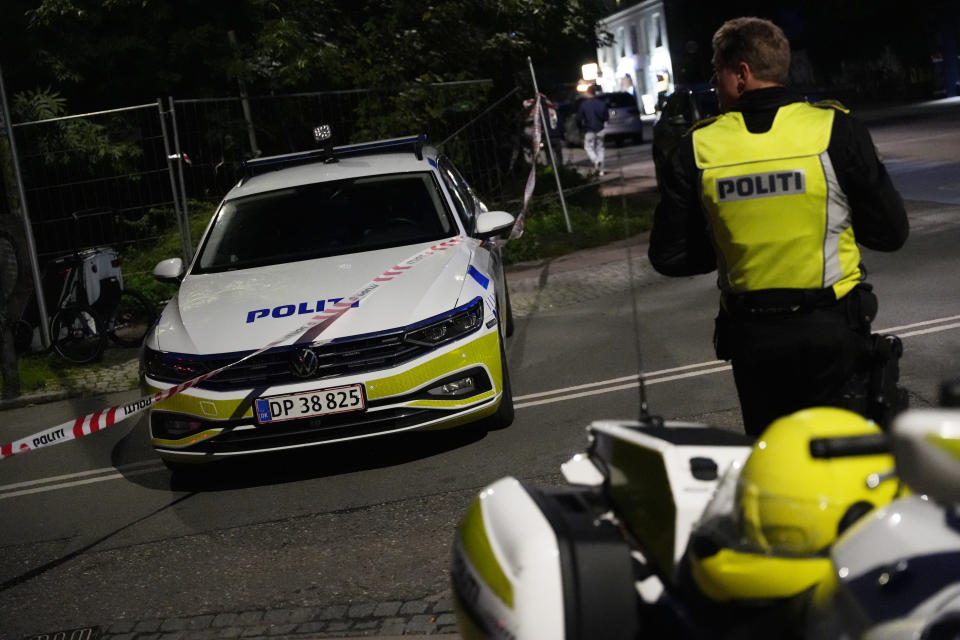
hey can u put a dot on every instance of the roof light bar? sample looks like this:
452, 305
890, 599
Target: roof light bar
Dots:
259, 165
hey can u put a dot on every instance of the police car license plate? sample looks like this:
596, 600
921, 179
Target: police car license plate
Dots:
310, 404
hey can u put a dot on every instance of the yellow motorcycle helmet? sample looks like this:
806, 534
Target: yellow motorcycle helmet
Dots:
788, 507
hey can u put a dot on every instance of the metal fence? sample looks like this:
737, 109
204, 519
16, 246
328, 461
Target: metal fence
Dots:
126, 177
97, 178
217, 135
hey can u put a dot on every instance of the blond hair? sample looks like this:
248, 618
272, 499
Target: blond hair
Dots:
758, 42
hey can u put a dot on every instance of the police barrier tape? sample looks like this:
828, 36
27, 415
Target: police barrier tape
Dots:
307, 334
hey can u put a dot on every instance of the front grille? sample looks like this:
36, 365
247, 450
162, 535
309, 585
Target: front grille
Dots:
314, 430
338, 358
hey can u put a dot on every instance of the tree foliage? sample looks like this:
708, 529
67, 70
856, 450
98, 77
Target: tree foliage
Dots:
104, 53
82, 145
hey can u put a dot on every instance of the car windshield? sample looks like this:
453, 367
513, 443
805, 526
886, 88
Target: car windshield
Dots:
325, 219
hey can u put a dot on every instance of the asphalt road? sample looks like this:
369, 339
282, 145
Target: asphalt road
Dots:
97, 532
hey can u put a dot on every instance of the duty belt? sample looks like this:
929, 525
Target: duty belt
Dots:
772, 301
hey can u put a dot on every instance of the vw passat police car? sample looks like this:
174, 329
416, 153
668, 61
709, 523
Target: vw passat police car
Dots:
294, 238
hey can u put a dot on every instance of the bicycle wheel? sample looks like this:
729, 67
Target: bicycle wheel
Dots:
131, 319
77, 334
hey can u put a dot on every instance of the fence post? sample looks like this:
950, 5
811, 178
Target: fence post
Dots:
546, 131
184, 233
6, 127
183, 185
244, 100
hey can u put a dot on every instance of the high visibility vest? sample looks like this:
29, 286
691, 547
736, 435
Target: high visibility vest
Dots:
778, 216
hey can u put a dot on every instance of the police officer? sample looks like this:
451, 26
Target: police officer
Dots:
775, 194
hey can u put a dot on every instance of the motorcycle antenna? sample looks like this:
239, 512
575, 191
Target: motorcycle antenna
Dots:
645, 418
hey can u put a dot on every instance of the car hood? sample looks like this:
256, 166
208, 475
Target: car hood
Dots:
250, 308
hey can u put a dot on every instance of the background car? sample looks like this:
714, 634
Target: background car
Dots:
292, 241
624, 121
679, 111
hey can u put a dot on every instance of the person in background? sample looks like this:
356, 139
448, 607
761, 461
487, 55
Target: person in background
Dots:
591, 117
775, 194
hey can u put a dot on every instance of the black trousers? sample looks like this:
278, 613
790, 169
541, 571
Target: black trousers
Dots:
784, 362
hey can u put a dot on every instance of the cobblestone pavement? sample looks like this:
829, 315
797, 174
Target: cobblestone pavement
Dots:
580, 278
431, 616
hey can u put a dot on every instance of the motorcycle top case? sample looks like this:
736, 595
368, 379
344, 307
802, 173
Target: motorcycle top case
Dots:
538, 563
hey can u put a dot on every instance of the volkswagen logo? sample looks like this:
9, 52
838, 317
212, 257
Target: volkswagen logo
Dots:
304, 363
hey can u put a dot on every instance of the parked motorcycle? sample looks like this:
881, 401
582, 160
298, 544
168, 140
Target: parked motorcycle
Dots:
898, 570
671, 529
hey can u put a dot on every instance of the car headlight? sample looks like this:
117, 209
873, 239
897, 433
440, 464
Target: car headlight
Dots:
170, 367
450, 326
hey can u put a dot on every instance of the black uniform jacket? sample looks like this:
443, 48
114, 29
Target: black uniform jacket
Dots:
680, 243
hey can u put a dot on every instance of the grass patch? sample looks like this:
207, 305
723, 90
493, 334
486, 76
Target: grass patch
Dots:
40, 371
37, 371
596, 219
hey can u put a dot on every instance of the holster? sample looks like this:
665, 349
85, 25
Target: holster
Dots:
874, 393
861, 306
722, 336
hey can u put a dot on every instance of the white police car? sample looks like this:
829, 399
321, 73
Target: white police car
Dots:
298, 235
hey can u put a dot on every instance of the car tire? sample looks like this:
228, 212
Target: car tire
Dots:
503, 418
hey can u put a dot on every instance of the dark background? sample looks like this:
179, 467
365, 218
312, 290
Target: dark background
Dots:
108, 54
866, 49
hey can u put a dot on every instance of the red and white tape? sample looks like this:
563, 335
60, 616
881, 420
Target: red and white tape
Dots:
307, 333
517, 230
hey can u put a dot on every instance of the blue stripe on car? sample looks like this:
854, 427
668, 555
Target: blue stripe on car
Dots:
479, 277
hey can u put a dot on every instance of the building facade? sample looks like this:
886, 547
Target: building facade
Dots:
638, 59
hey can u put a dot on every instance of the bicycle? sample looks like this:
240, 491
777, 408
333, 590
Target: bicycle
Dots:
91, 305
94, 306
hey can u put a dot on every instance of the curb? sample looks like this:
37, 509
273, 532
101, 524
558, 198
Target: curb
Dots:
28, 399
44, 397
115, 371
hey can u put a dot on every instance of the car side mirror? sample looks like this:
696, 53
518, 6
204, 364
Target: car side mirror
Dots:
492, 223
169, 271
